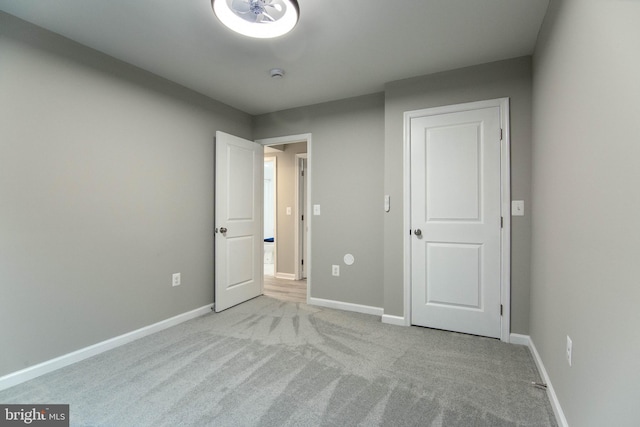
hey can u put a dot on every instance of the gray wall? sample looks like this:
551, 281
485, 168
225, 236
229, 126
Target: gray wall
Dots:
586, 198
511, 78
286, 197
346, 160
106, 189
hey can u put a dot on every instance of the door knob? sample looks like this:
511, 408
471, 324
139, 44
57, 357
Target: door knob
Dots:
223, 229
418, 232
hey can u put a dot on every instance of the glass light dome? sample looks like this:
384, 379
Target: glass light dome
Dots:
258, 18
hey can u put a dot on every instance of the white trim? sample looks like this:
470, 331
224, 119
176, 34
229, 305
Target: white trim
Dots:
505, 182
553, 398
299, 224
406, 224
285, 276
393, 320
505, 290
290, 140
347, 306
520, 339
526, 340
35, 371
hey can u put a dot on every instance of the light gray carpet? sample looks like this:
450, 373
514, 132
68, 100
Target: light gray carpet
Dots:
273, 363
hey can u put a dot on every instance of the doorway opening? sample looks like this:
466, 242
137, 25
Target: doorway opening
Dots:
270, 205
287, 227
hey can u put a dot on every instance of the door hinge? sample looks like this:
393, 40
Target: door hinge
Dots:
301, 262
501, 135
501, 222
301, 217
500, 309
302, 172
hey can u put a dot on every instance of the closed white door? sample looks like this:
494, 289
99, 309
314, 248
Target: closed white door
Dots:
238, 220
456, 221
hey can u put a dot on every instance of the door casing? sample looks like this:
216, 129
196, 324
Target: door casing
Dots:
505, 206
300, 202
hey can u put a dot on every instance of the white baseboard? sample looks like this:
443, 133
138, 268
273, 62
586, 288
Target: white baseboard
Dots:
520, 339
32, 372
553, 398
285, 276
394, 320
347, 306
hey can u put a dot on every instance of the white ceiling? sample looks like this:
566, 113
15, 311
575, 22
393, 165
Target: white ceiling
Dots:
339, 49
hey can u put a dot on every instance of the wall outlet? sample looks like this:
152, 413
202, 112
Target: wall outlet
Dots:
175, 280
335, 270
569, 349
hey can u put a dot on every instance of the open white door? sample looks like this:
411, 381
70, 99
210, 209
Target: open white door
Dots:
238, 220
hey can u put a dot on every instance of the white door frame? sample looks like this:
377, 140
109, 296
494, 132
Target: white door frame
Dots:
505, 210
290, 139
299, 224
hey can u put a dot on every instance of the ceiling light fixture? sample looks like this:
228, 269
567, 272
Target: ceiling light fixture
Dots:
261, 19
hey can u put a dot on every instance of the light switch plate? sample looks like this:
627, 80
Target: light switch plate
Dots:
517, 208
316, 209
288, 210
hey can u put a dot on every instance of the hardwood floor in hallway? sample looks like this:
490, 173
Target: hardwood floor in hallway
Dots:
287, 290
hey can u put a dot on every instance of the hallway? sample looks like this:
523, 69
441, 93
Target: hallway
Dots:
286, 290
